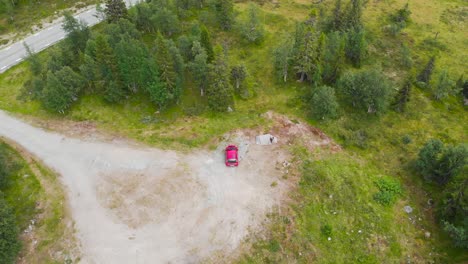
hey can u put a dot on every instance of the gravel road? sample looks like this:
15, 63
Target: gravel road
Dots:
144, 205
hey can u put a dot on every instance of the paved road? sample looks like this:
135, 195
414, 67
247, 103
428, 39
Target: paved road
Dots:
15, 53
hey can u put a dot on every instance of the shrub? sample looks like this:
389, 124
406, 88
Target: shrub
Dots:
389, 190
326, 230
406, 139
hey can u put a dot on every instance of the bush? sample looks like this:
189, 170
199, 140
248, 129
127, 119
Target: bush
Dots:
389, 190
326, 230
406, 139
9, 242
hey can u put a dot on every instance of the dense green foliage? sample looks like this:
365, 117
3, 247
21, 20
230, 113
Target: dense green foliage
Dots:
366, 90
9, 243
324, 103
116, 62
115, 10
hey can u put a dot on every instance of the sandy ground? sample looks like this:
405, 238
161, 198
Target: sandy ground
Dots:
143, 205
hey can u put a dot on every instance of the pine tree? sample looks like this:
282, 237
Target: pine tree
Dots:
78, 33
179, 67
165, 21
199, 67
131, 56
333, 58
238, 75
205, 41
304, 53
252, 29
443, 87
158, 92
356, 46
337, 19
283, 58
403, 96
35, 64
406, 59
61, 90
425, 75
115, 10
224, 11
166, 66
108, 78
323, 103
353, 17
451, 163
219, 92
143, 17
428, 157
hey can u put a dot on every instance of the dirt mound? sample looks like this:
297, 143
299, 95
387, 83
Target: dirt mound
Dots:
289, 131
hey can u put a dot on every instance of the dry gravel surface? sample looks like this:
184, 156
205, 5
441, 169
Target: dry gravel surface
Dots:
136, 204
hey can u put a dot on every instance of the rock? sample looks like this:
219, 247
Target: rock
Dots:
408, 209
359, 231
229, 109
427, 234
329, 238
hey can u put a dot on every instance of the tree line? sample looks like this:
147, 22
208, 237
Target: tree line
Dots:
116, 61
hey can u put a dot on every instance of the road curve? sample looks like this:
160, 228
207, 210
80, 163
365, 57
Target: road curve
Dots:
16, 52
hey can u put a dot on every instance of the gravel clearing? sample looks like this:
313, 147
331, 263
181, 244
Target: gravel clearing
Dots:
144, 205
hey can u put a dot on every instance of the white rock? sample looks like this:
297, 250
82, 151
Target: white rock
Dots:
427, 234
408, 209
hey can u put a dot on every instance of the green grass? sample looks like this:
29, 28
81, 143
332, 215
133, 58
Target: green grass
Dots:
35, 194
375, 147
30, 13
23, 188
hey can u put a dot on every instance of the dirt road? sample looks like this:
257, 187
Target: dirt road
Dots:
144, 205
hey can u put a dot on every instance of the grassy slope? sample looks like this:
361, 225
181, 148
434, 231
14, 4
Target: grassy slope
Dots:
29, 13
373, 144
35, 193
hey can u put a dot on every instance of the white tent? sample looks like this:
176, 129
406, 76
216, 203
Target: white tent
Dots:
266, 139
